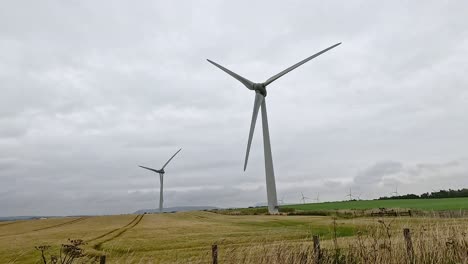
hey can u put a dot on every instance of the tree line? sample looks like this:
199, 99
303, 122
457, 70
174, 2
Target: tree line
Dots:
432, 195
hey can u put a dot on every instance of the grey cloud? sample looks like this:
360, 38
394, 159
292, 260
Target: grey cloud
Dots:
90, 90
376, 173
385, 177
8, 163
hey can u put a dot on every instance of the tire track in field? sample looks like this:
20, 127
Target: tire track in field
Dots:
62, 224
124, 229
114, 230
48, 227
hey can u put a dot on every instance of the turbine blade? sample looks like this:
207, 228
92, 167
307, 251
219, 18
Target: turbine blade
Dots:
149, 168
272, 79
241, 79
257, 103
170, 159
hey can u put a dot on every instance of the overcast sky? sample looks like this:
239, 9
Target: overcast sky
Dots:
91, 89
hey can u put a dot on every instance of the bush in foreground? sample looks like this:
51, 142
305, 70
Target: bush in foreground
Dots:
71, 252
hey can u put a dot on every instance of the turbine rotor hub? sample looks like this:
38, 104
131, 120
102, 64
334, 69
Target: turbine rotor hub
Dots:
260, 88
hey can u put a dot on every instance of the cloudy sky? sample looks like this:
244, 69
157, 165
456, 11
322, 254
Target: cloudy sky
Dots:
91, 89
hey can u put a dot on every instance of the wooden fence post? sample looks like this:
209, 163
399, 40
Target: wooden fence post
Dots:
102, 259
214, 253
409, 245
317, 251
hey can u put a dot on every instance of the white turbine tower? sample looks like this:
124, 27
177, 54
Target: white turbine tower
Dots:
260, 94
161, 180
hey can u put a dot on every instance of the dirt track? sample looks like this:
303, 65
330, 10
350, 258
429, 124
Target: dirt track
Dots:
47, 227
118, 232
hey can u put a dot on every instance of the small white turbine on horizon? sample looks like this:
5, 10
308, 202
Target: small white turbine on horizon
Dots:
161, 180
260, 94
352, 196
304, 198
395, 193
317, 198
281, 201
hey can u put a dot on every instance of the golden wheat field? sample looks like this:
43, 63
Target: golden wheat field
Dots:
187, 238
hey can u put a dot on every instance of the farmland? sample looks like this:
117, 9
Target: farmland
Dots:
187, 237
420, 204
163, 237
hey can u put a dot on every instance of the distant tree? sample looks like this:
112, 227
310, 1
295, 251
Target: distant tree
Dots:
433, 195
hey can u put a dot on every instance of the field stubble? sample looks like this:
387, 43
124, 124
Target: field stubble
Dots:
187, 238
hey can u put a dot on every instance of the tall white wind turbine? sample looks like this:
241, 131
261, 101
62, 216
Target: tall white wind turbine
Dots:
260, 94
161, 180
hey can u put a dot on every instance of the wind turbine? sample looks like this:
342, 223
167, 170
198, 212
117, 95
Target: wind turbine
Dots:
281, 201
358, 197
260, 94
350, 195
161, 179
304, 198
317, 198
395, 193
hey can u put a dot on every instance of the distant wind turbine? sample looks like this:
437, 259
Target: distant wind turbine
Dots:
260, 94
395, 193
304, 198
161, 179
358, 197
351, 196
317, 198
281, 201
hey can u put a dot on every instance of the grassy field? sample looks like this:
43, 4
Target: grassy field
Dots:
187, 237
159, 238
421, 204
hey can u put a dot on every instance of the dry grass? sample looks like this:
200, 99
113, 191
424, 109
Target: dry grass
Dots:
380, 242
187, 238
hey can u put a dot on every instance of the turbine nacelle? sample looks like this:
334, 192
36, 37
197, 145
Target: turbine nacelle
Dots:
260, 88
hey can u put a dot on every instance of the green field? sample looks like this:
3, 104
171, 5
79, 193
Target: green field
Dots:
420, 204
